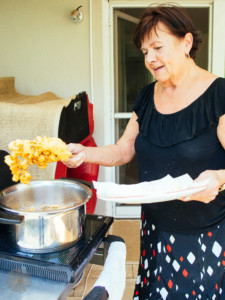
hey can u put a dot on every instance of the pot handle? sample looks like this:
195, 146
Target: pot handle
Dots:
10, 218
88, 183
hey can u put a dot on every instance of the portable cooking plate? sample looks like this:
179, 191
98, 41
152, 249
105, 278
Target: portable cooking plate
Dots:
51, 275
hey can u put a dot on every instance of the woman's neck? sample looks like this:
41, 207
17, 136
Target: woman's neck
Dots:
187, 72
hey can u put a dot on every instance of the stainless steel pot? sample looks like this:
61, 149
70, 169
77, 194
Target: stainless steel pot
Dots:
44, 216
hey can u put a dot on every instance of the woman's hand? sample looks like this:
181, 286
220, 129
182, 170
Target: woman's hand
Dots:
78, 151
216, 179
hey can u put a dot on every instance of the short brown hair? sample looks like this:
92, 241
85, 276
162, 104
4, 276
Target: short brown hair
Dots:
174, 18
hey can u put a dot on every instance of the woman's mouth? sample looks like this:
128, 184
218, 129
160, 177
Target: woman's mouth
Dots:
158, 69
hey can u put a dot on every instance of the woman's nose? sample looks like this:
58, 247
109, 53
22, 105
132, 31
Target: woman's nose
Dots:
150, 57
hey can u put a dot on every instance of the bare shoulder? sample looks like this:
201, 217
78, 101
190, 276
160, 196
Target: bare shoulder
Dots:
205, 78
201, 81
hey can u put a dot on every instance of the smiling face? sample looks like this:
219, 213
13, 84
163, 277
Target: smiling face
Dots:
165, 55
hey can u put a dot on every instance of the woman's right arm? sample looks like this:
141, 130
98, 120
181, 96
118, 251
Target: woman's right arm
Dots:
112, 155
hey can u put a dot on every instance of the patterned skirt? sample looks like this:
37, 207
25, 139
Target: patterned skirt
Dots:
177, 266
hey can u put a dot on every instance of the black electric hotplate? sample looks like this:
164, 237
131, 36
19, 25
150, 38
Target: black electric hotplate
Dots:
66, 265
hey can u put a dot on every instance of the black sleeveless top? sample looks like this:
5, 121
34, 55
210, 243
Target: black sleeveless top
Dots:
179, 143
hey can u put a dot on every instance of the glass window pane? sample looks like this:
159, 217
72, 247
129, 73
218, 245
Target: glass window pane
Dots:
132, 74
127, 174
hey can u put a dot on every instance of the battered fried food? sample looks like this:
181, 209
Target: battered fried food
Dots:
41, 151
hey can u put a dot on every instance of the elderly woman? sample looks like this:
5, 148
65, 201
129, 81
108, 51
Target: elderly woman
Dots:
177, 127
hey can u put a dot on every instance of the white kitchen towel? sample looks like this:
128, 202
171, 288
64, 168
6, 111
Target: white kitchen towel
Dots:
113, 275
164, 185
165, 189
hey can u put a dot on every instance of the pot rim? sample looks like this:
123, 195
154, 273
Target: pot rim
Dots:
40, 212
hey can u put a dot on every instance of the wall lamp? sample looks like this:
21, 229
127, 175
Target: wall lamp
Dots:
76, 15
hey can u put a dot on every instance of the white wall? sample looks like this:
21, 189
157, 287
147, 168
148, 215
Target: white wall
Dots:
42, 48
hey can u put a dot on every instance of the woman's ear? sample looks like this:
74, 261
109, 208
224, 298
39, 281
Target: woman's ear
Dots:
188, 42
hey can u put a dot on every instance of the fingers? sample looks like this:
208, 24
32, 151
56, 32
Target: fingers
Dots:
208, 200
78, 151
75, 148
75, 161
206, 196
70, 147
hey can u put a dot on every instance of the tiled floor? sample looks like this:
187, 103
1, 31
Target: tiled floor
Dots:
94, 271
129, 230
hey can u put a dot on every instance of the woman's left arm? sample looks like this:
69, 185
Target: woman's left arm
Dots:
216, 177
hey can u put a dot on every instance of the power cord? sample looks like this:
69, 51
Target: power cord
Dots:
85, 287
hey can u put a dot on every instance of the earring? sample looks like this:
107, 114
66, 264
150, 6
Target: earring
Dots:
187, 55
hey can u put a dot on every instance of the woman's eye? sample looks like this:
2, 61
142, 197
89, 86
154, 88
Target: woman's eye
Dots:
157, 48
145, 53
